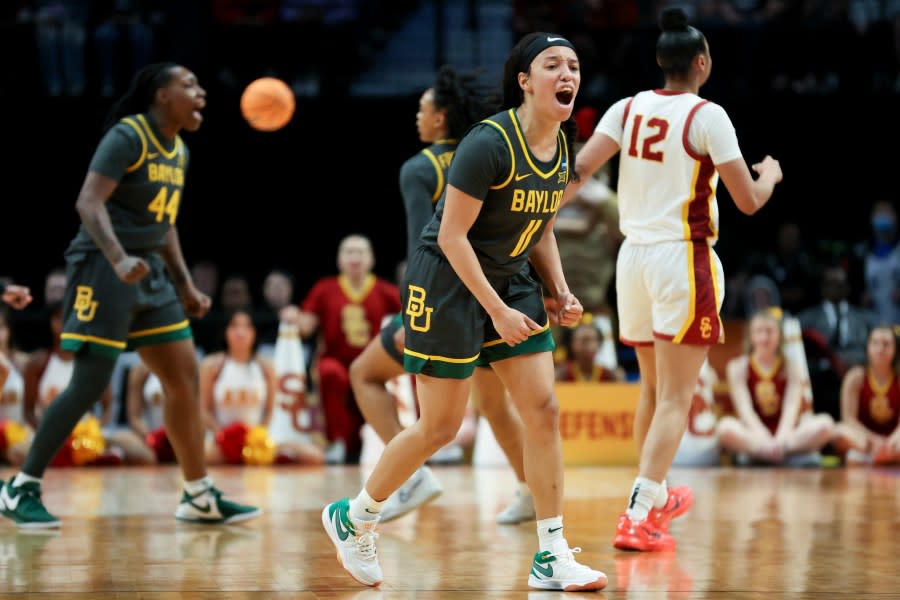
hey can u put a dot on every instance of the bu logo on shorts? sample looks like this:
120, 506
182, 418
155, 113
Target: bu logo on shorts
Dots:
85, 306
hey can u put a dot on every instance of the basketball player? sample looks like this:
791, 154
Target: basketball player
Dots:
670, 282
446, 111
468, 302
128, 286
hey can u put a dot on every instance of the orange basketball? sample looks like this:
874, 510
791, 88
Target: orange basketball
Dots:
268, 104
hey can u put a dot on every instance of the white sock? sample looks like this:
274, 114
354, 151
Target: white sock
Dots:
24, 478
198, 486
663, 497
643, 494
365, 507
549, 531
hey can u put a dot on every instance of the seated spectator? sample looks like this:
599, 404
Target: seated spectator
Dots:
237, 394
869, 429
582, 348
346, 310
772, 425
882, 264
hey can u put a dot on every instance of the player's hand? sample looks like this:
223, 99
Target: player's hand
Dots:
17, 296
768, 167
289, 314
131, 269
196, 303
569, 309
513, 326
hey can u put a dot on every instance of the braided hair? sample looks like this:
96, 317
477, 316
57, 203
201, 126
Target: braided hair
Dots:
141, 93
463, 98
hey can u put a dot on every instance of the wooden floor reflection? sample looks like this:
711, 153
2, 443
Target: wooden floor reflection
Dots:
752, 533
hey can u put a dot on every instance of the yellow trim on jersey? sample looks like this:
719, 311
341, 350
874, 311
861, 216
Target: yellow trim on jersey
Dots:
168, 155
437, 171
156, 330
686, 207
137, 164
692, 279
352, 295
531, 333
512, 155
93, 339
526, 236
441, 358
717, 293
527, 152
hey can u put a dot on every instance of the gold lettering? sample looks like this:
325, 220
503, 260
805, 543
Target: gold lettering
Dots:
530, 202
152, 172
85, 306
415, 308
517, 201
705, 328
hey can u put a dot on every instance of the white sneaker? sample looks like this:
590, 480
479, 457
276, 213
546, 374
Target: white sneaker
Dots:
521, 509
422, 487
451, 454
558, 570
354, 540
209, 507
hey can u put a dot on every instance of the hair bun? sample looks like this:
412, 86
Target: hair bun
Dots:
673, 19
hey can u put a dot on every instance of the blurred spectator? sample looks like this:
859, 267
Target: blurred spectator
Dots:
60, 28
346, 310
882, 265
206, 330
237, 26
277, 292
869, 429
835, 334
123, 38
790, 266
773, 424
581, 364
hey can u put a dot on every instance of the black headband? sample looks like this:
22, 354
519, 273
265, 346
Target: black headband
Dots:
538, 45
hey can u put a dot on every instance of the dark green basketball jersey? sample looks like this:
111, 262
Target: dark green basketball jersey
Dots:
150, 172
520, 193
423, 178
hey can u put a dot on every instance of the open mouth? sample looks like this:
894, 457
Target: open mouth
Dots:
565, 96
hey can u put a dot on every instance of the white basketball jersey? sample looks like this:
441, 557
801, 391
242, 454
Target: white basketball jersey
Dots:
667, 175
53, 380
153, 402
11, 397
239, 393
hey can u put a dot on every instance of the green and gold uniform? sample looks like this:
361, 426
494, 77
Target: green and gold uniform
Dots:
448, 333
423, 178
101, 312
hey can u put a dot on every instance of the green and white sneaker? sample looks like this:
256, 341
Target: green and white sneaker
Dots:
209, 507
354, 540
558, 570
23, 505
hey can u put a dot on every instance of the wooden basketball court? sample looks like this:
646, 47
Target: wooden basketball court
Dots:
756, 534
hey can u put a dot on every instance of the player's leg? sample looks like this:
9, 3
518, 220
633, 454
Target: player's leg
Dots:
369, 373
379, 363
20, 498
501, 415
529, 378
349, 522
175, 363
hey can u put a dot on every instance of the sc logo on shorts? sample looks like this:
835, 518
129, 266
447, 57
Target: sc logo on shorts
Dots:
85, 306
415, 308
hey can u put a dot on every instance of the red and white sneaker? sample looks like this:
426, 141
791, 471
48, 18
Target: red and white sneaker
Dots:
680, 500
644, 536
